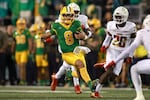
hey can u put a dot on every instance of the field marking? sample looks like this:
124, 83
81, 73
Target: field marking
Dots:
37, 91
40, 91
33, 91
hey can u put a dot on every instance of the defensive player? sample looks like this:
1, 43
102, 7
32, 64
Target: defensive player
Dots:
69, 32
141, 67
120, 34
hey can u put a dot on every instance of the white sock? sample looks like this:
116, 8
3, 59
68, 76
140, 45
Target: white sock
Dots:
75, 81
60, 72
98, 87
139, 93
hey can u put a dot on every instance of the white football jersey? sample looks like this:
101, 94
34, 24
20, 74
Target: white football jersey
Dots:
84, 20
120, 37
142, 38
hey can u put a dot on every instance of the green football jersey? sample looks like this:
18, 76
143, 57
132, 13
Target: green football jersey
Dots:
66, 38
39, 45
22, 40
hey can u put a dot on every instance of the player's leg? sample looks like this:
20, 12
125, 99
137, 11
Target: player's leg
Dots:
80, 64
142, 67
103, 78
124, 74
76, 80
58, 75
104, 75
38, 59
110, 72
22, 67
78, 61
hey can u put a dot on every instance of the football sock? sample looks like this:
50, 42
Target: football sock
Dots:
75, 81
90, 85
84, 74
98, 87
60, 72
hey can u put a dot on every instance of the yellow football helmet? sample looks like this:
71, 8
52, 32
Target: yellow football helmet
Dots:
67, 15
95, 23
33, 29
21, 24
41, 28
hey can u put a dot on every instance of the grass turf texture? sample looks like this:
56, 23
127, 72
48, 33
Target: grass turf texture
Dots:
62, 93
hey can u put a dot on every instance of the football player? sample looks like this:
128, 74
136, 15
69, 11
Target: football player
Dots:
141, 67
40, 56
120, 34
82, 18
23, 45
66, 67
69, 32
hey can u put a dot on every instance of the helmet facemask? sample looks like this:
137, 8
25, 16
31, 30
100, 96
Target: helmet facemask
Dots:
120, 15
41, 28
77, 13
67, 15
21, 24
67, 18
119, 19
76, 9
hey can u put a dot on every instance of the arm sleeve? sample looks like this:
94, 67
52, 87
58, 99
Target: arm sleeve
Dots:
107, 40
52, 30
86, 22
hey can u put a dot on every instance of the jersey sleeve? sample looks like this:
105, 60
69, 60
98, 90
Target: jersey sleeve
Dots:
108, 37
133, 28
86, 22
107, 40
108, 26
53, 29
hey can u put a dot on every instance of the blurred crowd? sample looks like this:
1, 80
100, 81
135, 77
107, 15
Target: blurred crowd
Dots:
11, 10
35, 16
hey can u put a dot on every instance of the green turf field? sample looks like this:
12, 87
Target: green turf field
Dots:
62, 93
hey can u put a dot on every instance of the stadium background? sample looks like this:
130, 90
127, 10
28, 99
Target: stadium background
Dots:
48, 11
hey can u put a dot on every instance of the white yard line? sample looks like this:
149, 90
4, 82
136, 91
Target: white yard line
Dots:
41, 91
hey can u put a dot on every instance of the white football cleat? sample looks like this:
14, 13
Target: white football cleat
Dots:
140, 97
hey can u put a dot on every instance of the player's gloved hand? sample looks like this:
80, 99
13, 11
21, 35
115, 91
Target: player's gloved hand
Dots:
110, 64
48, 40
103, 49
128, 60
99, 64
